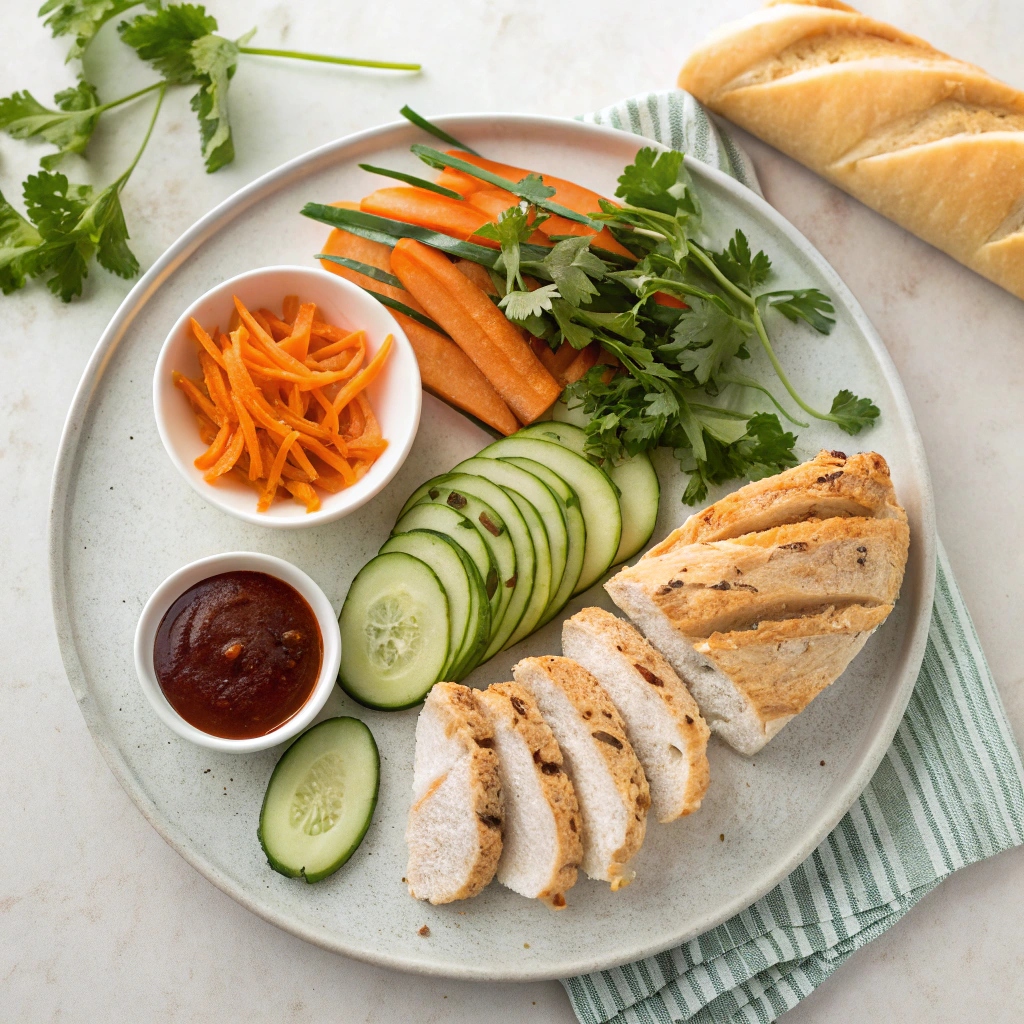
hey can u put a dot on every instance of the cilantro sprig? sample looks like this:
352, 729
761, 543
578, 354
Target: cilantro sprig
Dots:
67, 225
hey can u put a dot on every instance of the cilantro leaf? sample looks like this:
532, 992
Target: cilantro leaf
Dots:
69, 128
851, 413
741, 267
654, 181
513, 227
83, 18
577, 335
521, 305
808, 304
532, 189
705, 338
574, 268
180, 42
17, 239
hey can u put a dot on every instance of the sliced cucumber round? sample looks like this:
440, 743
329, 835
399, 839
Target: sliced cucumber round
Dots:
320, 799
575, 530
539, 496
635, 479
455, 525
598, 500
440, 554
394, 632
494, 533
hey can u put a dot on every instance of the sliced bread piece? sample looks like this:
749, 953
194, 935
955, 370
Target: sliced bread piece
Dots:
780, 573
454, 829
831, 484
610, 784
542, 848
662, 720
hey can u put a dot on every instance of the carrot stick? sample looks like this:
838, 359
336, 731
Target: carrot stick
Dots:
215, 385
371, 428
265, 341
429, 210
275, 472
555, 361
330, 420
304, 494
332, 349
196, 397
278, 328
216, 449
227, 461
366, 375
297, 343
332, 460
301, 460
344, 362
585, 359
251, 443
206, 341
289, 308
478, 327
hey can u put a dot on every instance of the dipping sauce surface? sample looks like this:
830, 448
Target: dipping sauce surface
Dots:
238, 654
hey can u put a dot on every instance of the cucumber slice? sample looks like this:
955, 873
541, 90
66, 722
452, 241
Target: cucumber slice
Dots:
320, 799
440, 555
522, 583
525, 485
394, 633
494, 533
575, 529
480, 611
598, 501
455, 525
636, 481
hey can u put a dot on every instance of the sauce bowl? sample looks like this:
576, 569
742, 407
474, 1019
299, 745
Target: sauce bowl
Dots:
176, 584
395, 394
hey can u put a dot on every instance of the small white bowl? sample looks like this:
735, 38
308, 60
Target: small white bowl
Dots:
395, 395
176, 584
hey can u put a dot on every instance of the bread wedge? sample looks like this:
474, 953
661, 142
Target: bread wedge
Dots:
542, 847
662, 720
762, 600
455, 822
610, 783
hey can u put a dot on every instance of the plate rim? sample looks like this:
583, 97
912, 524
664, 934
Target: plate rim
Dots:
63, 475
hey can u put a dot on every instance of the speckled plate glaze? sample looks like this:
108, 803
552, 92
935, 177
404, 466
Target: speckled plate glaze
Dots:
122, 519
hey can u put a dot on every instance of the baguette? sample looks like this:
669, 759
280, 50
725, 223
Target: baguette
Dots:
662, 719
542, 848
609, 782
931, 142
454, 830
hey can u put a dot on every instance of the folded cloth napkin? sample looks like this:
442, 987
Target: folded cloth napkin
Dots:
949, 792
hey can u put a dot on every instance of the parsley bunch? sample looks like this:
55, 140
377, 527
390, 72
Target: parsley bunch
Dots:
67, 224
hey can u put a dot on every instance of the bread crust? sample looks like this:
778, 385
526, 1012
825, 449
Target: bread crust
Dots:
605, 628
465, 723
931, 142
516, 706
594, 705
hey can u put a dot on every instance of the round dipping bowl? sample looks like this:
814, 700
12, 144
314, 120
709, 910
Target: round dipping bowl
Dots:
176, 584
395, 394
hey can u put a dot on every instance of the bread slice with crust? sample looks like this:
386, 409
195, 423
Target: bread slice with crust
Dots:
831, 485
542, 848
455, 822
662, 720
610, 783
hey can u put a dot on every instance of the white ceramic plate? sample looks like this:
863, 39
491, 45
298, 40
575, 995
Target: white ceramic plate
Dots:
123, 519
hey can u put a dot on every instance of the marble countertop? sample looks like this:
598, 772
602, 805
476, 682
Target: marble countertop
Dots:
97, 914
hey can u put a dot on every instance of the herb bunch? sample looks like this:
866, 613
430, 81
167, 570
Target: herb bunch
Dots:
679, 320
66, 225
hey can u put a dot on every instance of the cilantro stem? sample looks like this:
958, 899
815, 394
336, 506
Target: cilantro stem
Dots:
149, 131
734, 290
325, 59
131, 96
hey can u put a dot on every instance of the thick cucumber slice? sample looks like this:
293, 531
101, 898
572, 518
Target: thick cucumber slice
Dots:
598, 501
527, 487
320, 799
394, 632
494, 533
468, 485
440, 554
575, 529
455, 525
636, 480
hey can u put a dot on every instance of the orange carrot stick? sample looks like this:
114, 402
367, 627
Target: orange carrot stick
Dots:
227, 461
297, 343
334, 347
429, 210
251, 443
366, 375
304, 494
216, 386
206, 341
216, 449
274, 476
196, 397
290, 308
478, 327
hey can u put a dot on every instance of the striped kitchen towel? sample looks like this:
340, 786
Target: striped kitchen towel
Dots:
949, 792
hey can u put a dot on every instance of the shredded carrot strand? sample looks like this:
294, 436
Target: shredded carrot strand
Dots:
216, 449
196, 396
251, 443
365, 376
274, 476
297, 343
227, 461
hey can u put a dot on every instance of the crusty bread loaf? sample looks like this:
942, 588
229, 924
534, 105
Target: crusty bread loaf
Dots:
543, 828
609, 782
662, 719
454, 829
757, 623
931, 142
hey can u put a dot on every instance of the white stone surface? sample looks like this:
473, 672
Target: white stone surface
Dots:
99, 920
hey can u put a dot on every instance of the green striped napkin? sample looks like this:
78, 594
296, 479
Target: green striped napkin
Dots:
949, 792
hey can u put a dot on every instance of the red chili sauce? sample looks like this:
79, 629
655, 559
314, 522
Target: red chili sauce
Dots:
238, 654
